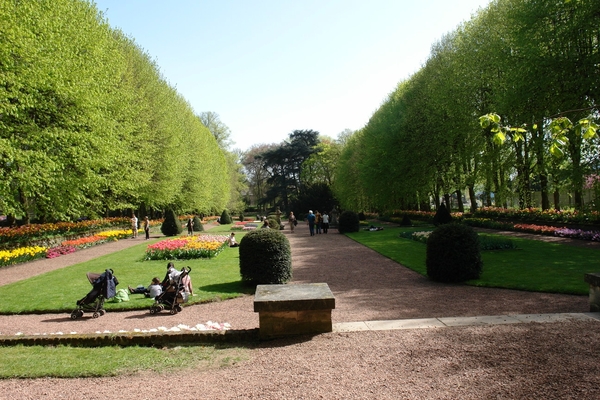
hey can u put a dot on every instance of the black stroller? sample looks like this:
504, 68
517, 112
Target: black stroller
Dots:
104, 287
173, 294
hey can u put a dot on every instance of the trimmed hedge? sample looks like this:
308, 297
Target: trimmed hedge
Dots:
348, 222
453, 254
171, 225
265, 257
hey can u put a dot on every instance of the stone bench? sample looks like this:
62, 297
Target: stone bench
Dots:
594, 280
295, 309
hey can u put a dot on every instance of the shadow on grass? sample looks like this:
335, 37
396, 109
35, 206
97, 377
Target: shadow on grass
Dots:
229, 287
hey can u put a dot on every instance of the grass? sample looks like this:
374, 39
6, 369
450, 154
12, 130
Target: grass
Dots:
71, 362
58, 291
535, 266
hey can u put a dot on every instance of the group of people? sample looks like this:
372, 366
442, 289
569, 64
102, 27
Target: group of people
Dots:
135, 227
317, 223
157, 286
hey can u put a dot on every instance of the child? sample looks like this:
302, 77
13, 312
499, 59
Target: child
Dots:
152, 291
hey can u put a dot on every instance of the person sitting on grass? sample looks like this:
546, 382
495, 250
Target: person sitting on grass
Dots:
232, 242
152, 291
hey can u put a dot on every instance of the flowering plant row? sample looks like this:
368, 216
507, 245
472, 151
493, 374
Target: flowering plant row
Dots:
536, 229
538, 215
186, 247
31, 232
102, 237
22, 254
244, 226
30, 253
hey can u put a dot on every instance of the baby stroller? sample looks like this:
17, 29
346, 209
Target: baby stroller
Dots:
104, 287
174, 294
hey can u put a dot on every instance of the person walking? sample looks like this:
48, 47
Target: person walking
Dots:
190, 226
325, 223
311, 222
134, 226
147, 227
292, 221
318, 221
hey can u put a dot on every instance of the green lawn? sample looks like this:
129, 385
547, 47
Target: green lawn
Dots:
535, 266
58, 291
78, 362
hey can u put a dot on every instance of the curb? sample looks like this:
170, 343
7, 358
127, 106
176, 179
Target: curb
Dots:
125, 339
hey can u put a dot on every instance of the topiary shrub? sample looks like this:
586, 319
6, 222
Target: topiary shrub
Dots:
171, 225
225, 218
198, 227
348, 222
405, 221
442, 216
453, 254
241, 217
362, 216
265, 257
273, 222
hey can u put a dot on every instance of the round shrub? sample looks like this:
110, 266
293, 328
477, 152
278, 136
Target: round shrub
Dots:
265, 257
348, 222
273, 222
198, 227
225, 218
453, 254
171, 225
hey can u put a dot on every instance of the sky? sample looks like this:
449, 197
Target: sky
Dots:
269, 67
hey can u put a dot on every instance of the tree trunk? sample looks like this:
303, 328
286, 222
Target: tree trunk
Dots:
472, 198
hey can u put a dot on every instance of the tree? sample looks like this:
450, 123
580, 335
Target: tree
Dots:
284, 165
217, 128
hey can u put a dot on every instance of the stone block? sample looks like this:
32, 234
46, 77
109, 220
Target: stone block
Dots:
296, 309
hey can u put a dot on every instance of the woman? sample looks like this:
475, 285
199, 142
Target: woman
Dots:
292, 221
232, 242
325, 223
147, 227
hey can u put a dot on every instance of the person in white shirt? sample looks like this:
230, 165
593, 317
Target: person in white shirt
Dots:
325, 223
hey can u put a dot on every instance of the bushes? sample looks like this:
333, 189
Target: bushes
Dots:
442, 216
453, 254
348, 222
171, 225
225, 218
265, 257
198, 227
274, 222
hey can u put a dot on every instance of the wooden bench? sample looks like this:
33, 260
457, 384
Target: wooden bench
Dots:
294, 309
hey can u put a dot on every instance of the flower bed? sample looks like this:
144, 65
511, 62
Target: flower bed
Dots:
537, 215
30, 253
244, 226
186, 247
536, 229
22, 254
26, 233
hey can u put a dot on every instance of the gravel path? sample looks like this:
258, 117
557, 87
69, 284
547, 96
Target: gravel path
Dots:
536, 360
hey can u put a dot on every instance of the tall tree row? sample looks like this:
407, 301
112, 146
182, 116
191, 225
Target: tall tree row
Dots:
88, 125
528, 61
